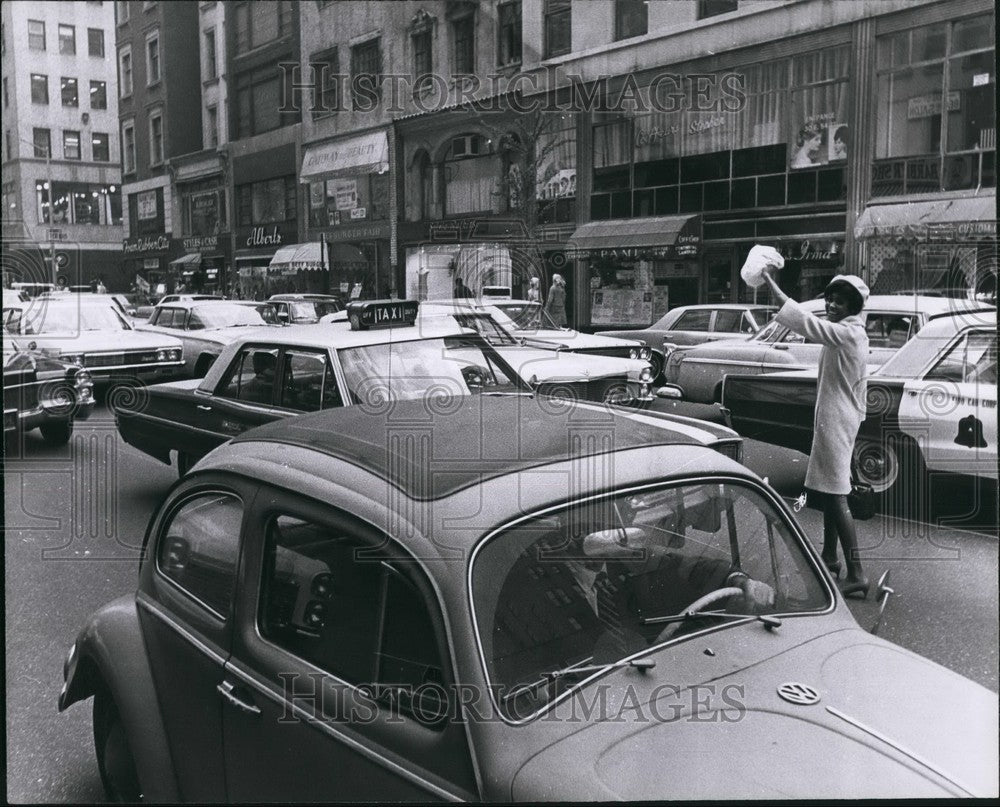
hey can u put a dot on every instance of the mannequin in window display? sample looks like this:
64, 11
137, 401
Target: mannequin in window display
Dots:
808, 147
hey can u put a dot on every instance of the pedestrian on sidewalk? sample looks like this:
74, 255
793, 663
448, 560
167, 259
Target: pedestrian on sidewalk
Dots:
534, 291
840, 408
555, 304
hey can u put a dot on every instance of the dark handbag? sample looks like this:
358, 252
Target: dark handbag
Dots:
861, 501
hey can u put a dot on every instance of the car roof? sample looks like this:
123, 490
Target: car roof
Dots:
512, 434
332, 297
722, 307
189, 303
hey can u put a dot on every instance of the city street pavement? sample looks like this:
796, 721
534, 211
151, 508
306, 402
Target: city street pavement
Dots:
75, 518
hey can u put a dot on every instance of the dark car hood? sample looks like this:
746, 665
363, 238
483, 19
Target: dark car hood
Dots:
889, 723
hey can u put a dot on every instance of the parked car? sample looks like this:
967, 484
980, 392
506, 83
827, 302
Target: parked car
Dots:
301, 309
204, 327
94, 334
529, 320
43, 392
264, 375
695, 373
551, 369
696, 324
119, 301
394, 606
931, 407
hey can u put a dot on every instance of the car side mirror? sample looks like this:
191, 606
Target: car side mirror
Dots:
882, 594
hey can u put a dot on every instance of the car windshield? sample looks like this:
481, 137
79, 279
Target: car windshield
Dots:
267, 312
487, 327
227, 315
537, 587
763, 315
312, 310
529, 316
69, 316
445, 367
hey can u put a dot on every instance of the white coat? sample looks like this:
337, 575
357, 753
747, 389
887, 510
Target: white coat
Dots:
841, 392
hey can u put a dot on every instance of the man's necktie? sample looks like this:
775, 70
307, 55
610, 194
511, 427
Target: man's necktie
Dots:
608, 608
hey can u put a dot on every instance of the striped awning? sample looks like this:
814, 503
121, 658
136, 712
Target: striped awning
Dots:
295, 257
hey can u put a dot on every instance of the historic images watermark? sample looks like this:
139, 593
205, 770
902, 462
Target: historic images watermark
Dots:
309, 697
549, 90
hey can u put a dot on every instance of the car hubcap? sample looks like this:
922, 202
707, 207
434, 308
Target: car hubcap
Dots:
877, 465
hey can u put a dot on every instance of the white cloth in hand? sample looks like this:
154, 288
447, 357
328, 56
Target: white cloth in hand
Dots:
757, 261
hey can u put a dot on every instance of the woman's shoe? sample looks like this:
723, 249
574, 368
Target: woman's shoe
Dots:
857, 589
833, 567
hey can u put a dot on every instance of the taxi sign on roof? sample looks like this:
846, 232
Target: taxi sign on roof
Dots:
381, 313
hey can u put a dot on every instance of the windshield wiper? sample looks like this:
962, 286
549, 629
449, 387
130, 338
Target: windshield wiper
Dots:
641, 664
770, 622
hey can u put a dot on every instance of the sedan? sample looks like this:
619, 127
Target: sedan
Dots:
204, 327
696, 324
695, 373
507, 602
932, 408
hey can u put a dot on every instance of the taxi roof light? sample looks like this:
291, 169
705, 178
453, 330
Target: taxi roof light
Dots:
370, 314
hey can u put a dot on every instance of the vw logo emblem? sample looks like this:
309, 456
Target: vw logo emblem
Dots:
799, 694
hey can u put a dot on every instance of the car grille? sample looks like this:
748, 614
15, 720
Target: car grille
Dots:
119, 359
617, 352
581, 390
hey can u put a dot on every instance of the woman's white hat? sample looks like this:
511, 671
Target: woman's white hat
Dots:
856, 282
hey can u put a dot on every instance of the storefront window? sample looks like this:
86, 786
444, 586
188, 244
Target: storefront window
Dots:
80, 204
341, 201
945, 69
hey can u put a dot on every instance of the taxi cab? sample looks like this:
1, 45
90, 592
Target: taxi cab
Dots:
375, 358
512, 600
94, 334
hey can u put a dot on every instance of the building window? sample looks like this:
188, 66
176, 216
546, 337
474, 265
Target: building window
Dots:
470, 172
257, 24
464, 33
366, 75
631, 18
39, 88
258, 99
67, 39
712, 8
156, 138
95, 42
203, 208
99, 148
152, 58
509, 33
326, 83
121, 9
125, 72
211, 61
267, 202
70, 92
423, 59
98, 95
558, 27
36, 35
946, 70
71, 145
212, 114
128, 147
43, 142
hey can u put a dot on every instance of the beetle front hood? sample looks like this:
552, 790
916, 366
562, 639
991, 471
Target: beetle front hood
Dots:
888, 724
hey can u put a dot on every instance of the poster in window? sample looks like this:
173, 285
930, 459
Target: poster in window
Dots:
837, 137
344, 192
146, 204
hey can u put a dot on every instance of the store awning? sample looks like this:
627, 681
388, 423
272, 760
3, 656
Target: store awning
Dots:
677, 237
190, 261
965, 219
294, 257
364, 154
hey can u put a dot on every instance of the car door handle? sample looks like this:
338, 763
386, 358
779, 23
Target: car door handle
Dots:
204, 408
228, 691
781, 347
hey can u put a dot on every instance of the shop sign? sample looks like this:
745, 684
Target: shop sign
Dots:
359, 212
150, 263
688, 245
476, 229
369, 232
806, 250
924, 106
266, 236
961, 230
200, 243
145, 243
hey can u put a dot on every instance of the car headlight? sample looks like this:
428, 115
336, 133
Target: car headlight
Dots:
645, 353
646, 376
161, 355
73, 358
84, 384
633, 353
175, 354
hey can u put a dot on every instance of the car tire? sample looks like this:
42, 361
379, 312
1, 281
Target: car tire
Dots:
114, 756
657, 363
204, 363
57, 434
894, 468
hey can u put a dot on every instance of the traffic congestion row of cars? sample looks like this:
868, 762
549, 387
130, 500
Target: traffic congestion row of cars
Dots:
418, 552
